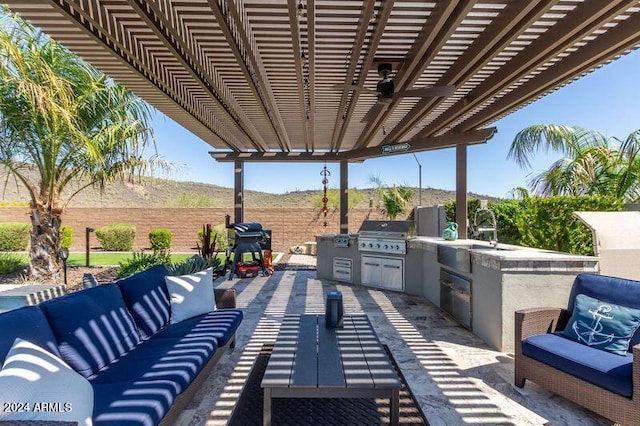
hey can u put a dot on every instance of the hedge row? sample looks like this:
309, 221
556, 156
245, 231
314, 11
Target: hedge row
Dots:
14, 236
544, 222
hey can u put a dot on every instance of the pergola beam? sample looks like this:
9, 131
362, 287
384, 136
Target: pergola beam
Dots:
619, 39
357, 155
514, 19
297, 56
311, 39
232, 71
88, 25
432, 37
344, 197
363, 26
251, 70
158, 23
461, 191
381, 22
587, 17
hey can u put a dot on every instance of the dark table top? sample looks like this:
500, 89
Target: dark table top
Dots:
309, 355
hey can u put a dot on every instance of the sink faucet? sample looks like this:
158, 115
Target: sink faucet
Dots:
477, 230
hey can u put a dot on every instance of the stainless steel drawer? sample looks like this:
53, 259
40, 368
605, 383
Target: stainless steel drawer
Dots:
343, 269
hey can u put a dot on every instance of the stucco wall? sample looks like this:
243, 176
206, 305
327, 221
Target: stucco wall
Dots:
290, 226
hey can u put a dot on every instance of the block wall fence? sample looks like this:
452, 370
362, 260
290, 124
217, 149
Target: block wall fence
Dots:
290, 226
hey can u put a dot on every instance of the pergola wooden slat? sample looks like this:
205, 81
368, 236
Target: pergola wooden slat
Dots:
255, 78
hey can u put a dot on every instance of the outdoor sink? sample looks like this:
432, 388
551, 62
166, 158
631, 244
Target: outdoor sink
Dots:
458, 256
455, 256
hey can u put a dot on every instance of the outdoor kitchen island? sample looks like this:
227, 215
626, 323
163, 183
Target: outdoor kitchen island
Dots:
479, 286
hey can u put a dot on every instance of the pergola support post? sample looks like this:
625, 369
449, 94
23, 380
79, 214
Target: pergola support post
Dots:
461, 190
344, 197
238, 192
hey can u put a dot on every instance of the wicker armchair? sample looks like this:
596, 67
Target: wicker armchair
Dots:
539, 321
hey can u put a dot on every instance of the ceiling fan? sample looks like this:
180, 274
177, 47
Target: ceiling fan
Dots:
385, 91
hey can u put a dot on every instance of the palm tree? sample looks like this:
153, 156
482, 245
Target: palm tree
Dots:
61, 122
394, 200
593, 164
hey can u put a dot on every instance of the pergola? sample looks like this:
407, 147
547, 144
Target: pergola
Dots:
256, 78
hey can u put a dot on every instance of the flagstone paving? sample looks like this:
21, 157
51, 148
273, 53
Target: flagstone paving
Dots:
455, 377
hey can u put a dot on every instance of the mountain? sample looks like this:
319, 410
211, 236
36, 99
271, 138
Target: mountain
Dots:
153, 192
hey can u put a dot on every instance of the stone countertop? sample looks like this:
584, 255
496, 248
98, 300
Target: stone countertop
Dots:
511, 258
514, 258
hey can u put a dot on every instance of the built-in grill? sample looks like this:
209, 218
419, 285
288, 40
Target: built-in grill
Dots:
385, 236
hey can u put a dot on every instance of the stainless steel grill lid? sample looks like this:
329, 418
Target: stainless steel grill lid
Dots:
388, 228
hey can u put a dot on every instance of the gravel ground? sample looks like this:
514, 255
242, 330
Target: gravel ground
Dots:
74, 276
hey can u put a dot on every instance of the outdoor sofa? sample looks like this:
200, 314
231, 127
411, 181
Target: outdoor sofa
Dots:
142, 369
599, 380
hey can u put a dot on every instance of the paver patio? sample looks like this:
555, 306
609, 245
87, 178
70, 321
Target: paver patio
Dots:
456, 378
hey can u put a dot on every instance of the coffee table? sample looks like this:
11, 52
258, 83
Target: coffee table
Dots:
311, 361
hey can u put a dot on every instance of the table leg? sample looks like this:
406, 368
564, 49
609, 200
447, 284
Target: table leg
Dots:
266, 409
394, 407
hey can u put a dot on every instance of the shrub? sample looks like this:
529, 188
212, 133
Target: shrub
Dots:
141, 261
65, 236
472, 207
544, 222
10, 263
14, 236
220, 234
549, 222
507, 213
116, 237
160, 239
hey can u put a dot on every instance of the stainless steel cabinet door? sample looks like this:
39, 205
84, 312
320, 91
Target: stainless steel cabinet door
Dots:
371, 270
393, 274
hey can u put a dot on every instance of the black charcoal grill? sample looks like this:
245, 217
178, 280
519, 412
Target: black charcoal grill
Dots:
246, 237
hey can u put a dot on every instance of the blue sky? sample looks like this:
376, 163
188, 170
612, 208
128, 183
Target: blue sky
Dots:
607, 100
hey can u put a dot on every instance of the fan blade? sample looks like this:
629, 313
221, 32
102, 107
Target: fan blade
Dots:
354, 87
373, 112
425, 92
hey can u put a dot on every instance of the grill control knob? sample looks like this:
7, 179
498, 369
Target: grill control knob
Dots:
386, 246
397, 247
378, 245
370, 245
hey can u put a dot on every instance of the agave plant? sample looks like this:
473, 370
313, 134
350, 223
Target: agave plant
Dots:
194, 264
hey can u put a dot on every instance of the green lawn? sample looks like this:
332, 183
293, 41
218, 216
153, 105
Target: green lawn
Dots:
102, 258
105, 259
113, 259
